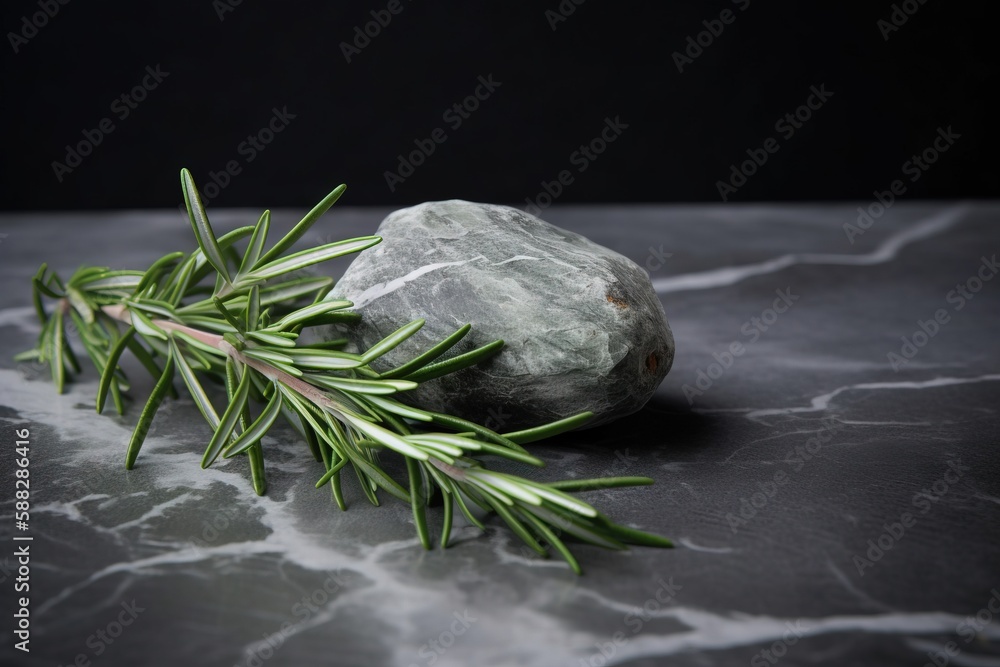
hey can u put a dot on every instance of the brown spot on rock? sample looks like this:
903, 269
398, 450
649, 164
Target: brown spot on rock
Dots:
652, 361
618, 302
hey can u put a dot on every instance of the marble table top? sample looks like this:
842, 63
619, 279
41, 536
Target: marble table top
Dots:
826, 452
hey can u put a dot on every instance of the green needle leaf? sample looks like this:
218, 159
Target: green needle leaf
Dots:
194, 386
56, 362
600, 483
116, 398
453, 364
271, 339
483, 432
449, 508
576, 526
469, 516
290, 290
253, 308
124, 283
549, 430
386, 437
154, 307
552, 539
80, 305
303, 315
377, 476
256, 456
145, 326
637, 537
257, 241
330, 473
111, 367
418, 501
512, 454
397, 408
157, 268
300, 260
27, 355
391, 341
71, 359
430, 355
258, 429
229, 420
494, 482
516, 525
303, 226
45, 289
36, 295
148, 412
366, 386
268, 356
232, 319
144, 357
207, 241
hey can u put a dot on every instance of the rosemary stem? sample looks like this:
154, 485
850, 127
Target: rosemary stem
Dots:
120, 313
314, 394
454, 472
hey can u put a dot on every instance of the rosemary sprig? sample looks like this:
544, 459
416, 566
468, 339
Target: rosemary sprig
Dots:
236, 317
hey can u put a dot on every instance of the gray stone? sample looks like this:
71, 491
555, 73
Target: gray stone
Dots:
584, 329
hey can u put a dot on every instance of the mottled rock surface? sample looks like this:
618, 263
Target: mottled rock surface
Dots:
583, 327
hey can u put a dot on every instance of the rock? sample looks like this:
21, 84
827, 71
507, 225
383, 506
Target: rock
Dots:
583, 327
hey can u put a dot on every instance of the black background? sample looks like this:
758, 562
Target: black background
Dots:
605, 59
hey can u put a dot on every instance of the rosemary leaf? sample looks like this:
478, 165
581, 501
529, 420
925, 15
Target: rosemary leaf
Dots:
256, 246
229, 420
111, 367
457, 363
207, 241
258, 429
148, 412
300, 260
303, 225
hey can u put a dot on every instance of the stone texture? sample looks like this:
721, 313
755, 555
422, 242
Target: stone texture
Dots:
583, 327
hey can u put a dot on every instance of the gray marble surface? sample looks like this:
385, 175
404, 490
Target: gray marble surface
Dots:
779, 481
